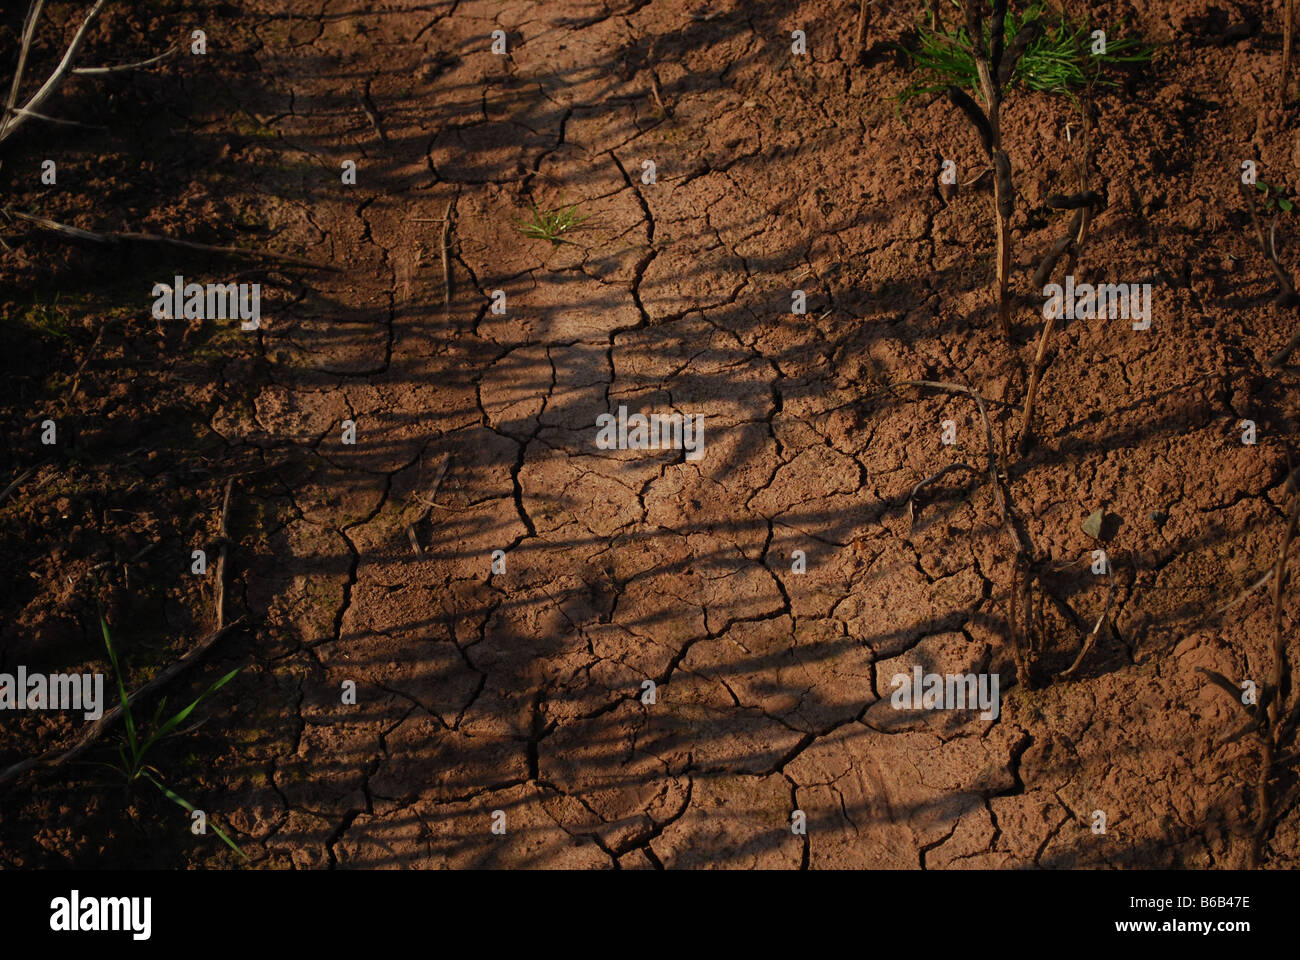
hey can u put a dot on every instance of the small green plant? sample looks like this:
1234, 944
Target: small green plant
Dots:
133, 754
48, 318
1058, 60
552, 224
1275, 196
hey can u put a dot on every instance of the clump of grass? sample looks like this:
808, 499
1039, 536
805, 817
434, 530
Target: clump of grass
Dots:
248, 125
133, 753
552, 224
47, 318
1060, 60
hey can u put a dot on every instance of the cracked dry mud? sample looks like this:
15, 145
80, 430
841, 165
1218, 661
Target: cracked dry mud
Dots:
521, 690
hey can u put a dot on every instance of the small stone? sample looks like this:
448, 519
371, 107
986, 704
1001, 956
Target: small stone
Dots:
1092, 526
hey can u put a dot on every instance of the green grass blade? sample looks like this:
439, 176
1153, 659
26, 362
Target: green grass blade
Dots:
188, 807
123, 698
176, 719
551, 224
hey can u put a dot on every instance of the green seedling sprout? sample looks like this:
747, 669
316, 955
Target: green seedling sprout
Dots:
552, 224
133, 755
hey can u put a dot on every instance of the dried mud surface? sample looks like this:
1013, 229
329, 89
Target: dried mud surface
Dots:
520, 691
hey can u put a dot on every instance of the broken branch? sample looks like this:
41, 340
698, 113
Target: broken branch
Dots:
120, 67
124, 237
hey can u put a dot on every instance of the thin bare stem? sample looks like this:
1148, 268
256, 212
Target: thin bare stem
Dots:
29, 32
1276, 692
1073, 245
127, 237
55, 80
122, 67
655, 89
911, 499
48, 119
1004, 265
223, 556
864, 20
1003, 190
439, 472
1092, 636
446, 260
1286, 286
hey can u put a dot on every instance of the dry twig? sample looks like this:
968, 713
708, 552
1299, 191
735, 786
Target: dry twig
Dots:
1275, 693
439, 472
446, 260
223, 554
1071, 242
1286, 295
121, 67
911, 499
1092, 636
20, 480
14, 118
128, 237
864, 21
655, 88
371, 112
994, 67
1024, 555
1288, 28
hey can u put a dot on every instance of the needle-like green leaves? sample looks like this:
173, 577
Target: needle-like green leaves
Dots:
1055, 56
552, 224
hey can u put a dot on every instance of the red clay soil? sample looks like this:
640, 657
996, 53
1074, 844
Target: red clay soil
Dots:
520, 689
